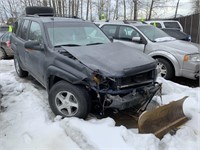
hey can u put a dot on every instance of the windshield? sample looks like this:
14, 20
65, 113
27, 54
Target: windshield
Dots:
154, 34
75, 34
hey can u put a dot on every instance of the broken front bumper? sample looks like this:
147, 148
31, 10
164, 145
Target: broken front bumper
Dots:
138, 97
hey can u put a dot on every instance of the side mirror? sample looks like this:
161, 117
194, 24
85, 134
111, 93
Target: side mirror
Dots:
110, 38
136, 39
33, 45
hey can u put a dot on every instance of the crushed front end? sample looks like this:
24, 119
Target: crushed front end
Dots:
133, 91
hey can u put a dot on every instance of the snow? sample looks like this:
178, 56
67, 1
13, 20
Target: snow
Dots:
165, 39
29, 124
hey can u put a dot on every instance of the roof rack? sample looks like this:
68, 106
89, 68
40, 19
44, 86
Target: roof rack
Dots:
39, 11
122, 21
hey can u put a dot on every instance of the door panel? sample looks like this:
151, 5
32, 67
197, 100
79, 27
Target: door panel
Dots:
35, 58
125, 35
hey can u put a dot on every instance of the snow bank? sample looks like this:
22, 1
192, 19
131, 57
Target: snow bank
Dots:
28, 122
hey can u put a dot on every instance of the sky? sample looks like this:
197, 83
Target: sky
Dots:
29, 124
184, 8
169, 12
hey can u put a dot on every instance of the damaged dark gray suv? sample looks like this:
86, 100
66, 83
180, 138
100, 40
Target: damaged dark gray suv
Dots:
80, 67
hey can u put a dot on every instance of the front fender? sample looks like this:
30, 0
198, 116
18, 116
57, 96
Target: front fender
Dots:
53, 71
168, 56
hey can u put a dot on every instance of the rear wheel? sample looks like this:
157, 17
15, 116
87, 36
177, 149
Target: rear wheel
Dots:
165, 69
20, 72
69, 100
2, 54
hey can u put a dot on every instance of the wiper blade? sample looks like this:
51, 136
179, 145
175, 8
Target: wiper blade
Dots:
67, 45
94, 43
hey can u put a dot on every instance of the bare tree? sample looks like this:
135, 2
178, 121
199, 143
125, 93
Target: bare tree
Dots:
91, 10
196, 6
176, 8
44, 2
59, 7
81, 8
124, 2
54, 6
135, 9
151, 8
69, 7
159, 5
87, 9
77, 7
73, 6
116, 13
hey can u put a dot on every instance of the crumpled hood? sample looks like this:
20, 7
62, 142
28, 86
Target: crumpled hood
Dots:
112, 59
184, 46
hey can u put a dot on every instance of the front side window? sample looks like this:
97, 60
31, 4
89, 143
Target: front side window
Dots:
24, 29
35, 33
75, 34
109, 30
127, 33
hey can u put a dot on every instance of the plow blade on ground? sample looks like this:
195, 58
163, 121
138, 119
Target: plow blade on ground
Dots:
162, 119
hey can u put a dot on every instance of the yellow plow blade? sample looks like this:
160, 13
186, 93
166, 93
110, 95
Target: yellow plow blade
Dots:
162, 119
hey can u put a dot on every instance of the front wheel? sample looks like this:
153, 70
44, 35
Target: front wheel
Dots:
69, 100
20, 72
165, 69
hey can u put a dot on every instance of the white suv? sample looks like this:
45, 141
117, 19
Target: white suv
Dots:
170, 24
175, 57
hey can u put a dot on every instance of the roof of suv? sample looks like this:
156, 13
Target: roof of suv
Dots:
53, 19
46, 14
120, 23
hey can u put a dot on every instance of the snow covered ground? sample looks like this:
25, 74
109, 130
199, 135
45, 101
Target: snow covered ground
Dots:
28, 123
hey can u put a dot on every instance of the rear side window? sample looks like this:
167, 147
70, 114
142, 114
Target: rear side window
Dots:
24, 30
172, 25
6, 37
109, 30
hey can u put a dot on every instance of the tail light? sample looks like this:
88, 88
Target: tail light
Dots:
8, 44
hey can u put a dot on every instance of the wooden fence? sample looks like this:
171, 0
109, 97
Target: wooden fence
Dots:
191, 26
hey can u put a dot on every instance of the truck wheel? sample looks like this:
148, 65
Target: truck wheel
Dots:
2, 54
20, 72
69, 100
165, 69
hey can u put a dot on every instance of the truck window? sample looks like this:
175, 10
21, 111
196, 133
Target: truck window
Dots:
35, 33
24, 30
158, 25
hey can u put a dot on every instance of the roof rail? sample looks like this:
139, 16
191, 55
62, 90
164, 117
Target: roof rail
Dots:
122, 21
126, 22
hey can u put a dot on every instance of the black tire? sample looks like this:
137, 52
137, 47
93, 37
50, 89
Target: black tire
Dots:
2, 54
164, 64
77, 104
21, 73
